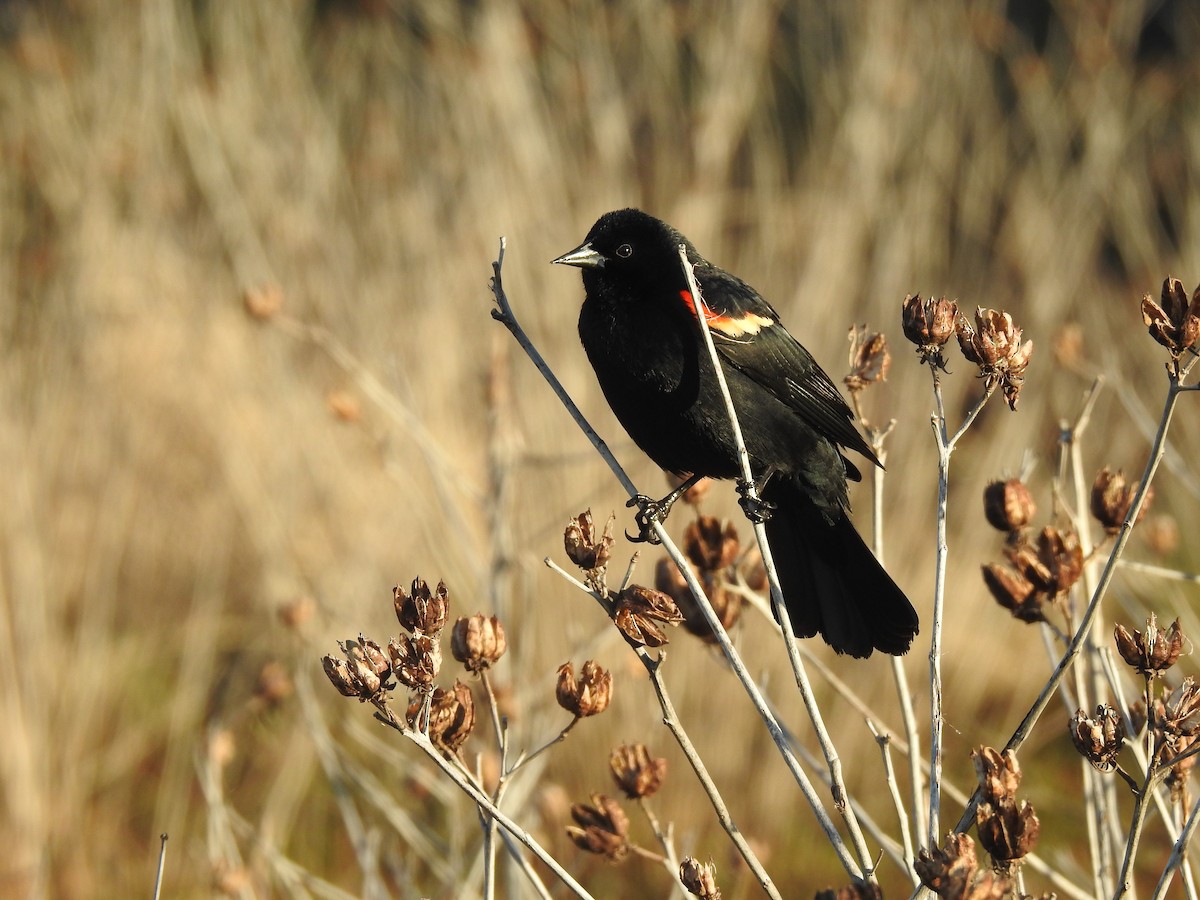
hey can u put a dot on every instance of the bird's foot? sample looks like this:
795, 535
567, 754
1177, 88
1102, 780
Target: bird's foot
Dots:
649, 512
757, 510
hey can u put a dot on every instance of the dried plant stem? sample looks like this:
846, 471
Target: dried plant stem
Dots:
916, 778
1099, 797
1176, 387
162, 861
945, 446
1177, 852
464, 783
665, 840
885, 748
1159, 571
504, 314
1125, 879
828, 750
653, 665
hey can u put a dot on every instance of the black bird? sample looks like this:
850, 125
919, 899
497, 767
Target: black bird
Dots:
638, 325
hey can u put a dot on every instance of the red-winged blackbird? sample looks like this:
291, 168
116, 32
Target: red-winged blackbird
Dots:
638, 325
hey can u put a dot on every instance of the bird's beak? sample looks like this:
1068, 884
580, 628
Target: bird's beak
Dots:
582, 256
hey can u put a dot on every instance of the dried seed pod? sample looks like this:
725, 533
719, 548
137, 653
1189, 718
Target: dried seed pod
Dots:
1112, 498
1099, 740
635, 771
415, 660
869, 359
638, 611
451, 717
478, 641
340, 676
601, 828
929, 324
949, 870
1007, 831
999, 773
1175, 322
1008, 505
1152, 652
364, 666
699, 878
711, 544
1181, 710
585, 547
994, 344
421, 610
590, 695
1015, 592
725, 603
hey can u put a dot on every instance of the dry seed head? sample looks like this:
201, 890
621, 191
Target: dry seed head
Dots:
1112, 498
586, 548
478, 641
339, 674
638, 611
1061, 555
725, 603
421, 610
1152, 652
364, 666
1098, 739
929, 324
601, 828
994, 344
590, 695
1015, 592
1008, 505
1174, 322
869, 359
949, 870
699, 878
999, 774
635, 771
711, 544
1007, 831
1181, 709
373, 654
451, 717
415, 660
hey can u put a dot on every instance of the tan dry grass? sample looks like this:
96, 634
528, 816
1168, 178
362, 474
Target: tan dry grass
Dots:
174, 474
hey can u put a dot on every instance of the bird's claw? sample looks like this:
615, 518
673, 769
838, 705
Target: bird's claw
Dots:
757, 509
650, 511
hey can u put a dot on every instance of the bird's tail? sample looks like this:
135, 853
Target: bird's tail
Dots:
832, 583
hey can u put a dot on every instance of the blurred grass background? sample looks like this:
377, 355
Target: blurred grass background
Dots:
178, 473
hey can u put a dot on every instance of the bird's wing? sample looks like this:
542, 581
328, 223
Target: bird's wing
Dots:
748, 334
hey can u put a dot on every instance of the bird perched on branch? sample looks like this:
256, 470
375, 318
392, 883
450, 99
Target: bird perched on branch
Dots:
639, 327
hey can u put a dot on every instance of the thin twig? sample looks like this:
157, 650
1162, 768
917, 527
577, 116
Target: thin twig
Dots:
885, 748
945, 447
162, 861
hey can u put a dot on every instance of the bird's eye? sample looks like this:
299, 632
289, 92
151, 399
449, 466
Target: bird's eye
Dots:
625, 251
